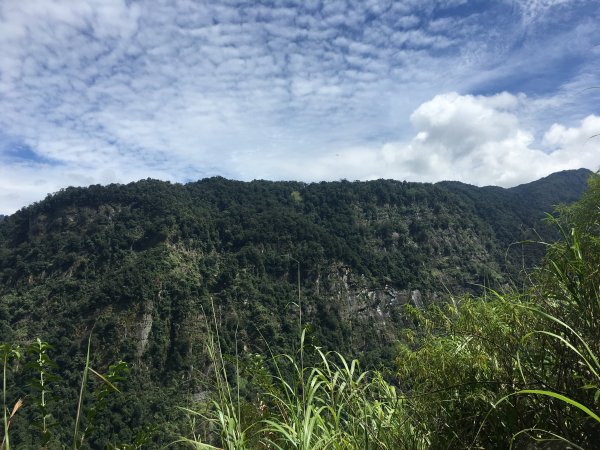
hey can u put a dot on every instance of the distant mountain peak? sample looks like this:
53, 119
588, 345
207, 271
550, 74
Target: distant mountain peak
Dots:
557, 177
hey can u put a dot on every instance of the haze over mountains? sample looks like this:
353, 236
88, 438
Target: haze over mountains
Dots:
142, 263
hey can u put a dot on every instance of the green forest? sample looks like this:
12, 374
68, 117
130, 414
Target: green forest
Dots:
288, 315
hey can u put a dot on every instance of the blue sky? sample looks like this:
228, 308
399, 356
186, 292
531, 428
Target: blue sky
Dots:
486, 92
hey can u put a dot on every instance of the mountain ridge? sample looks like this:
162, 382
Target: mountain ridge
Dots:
141, 264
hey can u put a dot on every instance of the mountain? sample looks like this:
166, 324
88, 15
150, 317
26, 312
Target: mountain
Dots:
523, 206
2, 217
145, 266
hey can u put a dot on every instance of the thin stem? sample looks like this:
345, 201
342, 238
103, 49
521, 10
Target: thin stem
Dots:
83, 383
5, 440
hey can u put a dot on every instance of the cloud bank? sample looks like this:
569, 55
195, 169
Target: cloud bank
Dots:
474, 139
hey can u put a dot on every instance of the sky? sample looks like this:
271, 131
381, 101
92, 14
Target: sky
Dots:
488, 92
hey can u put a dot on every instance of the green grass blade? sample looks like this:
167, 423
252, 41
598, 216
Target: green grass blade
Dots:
81, 391
563, 398
555, 436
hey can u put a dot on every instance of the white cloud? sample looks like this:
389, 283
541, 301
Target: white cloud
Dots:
458, 124
534, 9
474, 139
559, 136
480, 140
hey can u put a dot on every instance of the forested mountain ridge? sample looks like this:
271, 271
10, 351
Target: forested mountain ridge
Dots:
143, 263
358, 238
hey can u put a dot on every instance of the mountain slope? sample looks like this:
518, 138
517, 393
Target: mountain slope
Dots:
351, 236
145, 264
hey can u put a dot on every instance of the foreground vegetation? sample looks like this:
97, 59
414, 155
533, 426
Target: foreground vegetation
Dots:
516, 367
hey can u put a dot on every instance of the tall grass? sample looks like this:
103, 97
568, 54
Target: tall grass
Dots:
330, 404
567, 297
517, 368
568, 304
8, 353
224, 413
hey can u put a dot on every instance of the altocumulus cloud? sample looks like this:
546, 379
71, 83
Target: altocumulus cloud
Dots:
115, 90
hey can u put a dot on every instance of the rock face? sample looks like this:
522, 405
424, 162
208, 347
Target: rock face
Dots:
144, 328
381, 311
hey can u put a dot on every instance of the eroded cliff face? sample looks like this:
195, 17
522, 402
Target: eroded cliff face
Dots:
378, 311
344, 310
144, 325
362, 301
